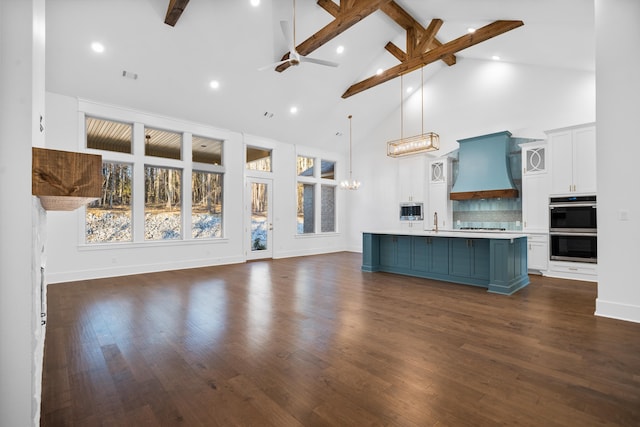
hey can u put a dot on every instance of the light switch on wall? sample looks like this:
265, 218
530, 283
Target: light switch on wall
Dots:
623, 215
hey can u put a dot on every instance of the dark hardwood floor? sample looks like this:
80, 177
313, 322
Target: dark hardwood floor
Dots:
313, 341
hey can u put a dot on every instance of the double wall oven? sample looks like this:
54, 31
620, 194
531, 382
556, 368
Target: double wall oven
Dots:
573, 229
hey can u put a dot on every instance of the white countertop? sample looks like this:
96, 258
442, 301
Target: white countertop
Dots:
465, 234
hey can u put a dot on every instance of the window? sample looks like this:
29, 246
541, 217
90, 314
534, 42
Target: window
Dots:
162, 143
206, 205
108, 135
328, 209
258, 159
108, 219
206, 150
306, 208
316, 184
327, 169
304, 166
162, 205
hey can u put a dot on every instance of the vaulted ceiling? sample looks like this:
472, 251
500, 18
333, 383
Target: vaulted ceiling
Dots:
229, 40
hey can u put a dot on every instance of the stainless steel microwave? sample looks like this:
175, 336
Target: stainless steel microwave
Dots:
411, 212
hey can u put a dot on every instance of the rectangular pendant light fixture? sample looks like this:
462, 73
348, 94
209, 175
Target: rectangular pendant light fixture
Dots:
425, 142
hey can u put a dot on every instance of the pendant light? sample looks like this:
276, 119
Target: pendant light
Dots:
422, 143
350, 184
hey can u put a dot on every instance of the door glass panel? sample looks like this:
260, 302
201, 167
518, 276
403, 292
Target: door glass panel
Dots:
259, 216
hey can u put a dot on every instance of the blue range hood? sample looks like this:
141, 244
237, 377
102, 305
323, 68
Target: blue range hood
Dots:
483, 168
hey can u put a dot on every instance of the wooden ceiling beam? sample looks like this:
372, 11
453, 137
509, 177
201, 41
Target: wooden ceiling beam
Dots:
342, 22
406, 21
482, 34
174, 11
428, 35
330, 6
396, 51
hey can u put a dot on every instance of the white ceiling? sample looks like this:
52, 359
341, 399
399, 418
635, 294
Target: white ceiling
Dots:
228, 40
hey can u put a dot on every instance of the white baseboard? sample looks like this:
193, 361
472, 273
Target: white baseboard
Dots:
616, 310
114, 271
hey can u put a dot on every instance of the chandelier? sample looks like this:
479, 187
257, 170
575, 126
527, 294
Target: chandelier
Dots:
422, 143
350, 184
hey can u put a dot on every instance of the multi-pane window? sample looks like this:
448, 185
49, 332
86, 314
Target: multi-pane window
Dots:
162, 203
108, 219
206, 205
316, 195
167, 180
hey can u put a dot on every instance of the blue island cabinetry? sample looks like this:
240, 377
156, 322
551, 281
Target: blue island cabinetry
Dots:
496, 262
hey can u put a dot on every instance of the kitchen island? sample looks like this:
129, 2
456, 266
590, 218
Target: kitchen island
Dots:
493, 260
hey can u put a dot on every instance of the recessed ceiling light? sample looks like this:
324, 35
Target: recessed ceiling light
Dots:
293, 110
409, 89
471, 30
340, 49
379, 71
495, 58
255, 3
97, 47
214, 84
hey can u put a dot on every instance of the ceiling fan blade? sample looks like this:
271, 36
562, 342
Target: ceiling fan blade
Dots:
288, 35
274, 65
318, 61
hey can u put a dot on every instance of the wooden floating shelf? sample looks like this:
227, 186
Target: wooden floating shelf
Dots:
65, 180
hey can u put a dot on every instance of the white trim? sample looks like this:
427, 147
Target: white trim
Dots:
616, 310
98, 273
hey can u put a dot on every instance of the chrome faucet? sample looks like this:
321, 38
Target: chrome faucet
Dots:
435, 221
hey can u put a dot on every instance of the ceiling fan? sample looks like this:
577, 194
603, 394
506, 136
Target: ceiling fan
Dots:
294, 58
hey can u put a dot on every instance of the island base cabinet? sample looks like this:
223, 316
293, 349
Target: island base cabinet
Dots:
430, 254
395, 251
469, 258
500, 265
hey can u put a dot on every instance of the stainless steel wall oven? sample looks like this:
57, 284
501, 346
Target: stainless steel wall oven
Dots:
573, 229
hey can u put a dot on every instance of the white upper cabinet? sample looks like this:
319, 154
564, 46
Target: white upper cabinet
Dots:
573, 160
411, 179
535, 187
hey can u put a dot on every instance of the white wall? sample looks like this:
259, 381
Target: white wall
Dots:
471, 98
618, 87
21, 105
70, 259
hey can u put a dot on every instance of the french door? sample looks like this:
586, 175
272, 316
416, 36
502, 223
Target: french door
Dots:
259, 218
